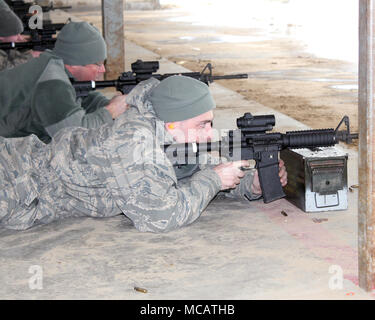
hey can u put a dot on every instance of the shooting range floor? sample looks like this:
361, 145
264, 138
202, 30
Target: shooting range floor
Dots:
235, 250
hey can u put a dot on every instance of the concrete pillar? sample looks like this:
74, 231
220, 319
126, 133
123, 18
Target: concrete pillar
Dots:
113, 32
366, 116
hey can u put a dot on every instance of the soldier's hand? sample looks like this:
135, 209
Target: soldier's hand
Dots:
117, 105
230, 173
255, 188
36, 54
23, 38
282, 173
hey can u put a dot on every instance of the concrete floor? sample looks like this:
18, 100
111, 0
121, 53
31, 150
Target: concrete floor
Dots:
235, 250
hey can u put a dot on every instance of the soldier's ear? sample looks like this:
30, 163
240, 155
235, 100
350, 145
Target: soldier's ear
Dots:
170, 126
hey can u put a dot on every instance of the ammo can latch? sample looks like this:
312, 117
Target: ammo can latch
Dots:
327, 176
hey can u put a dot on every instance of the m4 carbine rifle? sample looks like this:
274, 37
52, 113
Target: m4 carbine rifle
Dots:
37, 45
250, 141
143, 70
47, 32
40, 39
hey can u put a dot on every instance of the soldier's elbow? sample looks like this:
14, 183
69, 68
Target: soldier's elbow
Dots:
156, 226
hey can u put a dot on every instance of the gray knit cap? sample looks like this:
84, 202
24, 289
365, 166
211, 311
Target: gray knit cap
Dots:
179, 98
10, 24
79, 44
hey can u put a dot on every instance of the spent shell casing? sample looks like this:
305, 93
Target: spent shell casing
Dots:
140, 289
317, 220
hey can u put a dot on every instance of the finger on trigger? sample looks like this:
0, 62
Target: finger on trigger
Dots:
245, 163
240, 163
241, 174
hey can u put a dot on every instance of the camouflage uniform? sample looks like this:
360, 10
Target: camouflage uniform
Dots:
104, 172
12, 58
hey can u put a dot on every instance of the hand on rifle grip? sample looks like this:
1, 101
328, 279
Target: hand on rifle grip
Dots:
256, 189
230, 173
117, 105
36, 54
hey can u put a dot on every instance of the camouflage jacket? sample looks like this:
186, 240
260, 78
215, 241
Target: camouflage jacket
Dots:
12, 58
118, 168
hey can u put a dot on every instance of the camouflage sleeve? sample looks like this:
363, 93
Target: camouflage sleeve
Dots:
3, 60
162, 206
13, 58
147, 191
243, 190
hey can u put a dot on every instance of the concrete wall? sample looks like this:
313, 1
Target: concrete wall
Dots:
129, 4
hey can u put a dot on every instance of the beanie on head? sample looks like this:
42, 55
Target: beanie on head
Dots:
10, 24
179, 98
79, 44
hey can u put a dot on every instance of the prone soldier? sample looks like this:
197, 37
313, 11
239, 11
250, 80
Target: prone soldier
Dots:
38, 97
11, 28
121, 167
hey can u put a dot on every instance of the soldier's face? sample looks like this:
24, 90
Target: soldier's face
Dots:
88, 72
197, 129
15, 38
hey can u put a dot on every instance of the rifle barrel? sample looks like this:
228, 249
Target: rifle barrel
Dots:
95, 84
48, 43
105, 84
47, 27
62, 8
231, 76
49, 8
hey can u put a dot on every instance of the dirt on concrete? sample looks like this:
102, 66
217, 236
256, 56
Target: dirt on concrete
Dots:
282, 75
